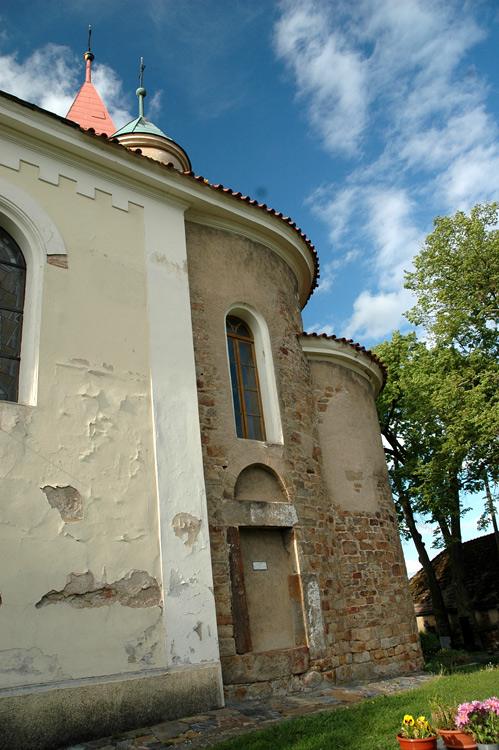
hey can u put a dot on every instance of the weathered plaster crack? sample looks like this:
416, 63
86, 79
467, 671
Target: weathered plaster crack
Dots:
136, 589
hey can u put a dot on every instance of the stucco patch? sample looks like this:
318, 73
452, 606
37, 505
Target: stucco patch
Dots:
67, 500
185, 524
142, 651
30, 663
136, 589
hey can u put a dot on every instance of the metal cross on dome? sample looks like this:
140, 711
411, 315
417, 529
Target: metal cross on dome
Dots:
141, 74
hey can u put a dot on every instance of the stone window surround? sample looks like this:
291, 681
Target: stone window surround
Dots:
264, 362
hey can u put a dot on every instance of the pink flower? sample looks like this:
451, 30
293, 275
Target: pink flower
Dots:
492, 704
463, 711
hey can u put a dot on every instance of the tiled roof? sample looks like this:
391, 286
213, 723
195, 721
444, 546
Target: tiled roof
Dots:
355, 346
481, 563
88, 111
220, 188
246, 199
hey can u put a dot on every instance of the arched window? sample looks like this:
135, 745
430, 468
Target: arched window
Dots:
12, 284
244, 377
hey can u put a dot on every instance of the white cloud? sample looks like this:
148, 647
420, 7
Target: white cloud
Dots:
473, 177
395, 237
414, 113
330, 74
376, 314
326, 278
48, 78
110, 90
412, 567
52, 76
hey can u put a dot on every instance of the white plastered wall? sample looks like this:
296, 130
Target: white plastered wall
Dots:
95, 428
186, 563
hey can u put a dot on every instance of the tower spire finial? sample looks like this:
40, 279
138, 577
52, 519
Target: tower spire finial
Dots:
141, 92
88, 57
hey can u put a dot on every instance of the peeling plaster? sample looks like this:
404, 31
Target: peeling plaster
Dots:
142, 651
136, 589
184, 523
178, 584
30, 663
67, 500
199, 630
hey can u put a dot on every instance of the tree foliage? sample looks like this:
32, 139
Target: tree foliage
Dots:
456, 281
439, 412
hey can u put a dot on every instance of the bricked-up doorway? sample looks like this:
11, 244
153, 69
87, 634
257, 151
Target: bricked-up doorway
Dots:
272, 589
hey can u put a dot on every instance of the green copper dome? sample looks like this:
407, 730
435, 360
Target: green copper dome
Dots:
143, 134
141, 125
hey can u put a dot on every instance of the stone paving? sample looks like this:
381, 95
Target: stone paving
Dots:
211, 727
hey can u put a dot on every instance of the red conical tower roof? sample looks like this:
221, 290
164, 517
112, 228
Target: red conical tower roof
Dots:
88, 109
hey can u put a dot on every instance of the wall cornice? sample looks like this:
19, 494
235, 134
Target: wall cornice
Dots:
345, 354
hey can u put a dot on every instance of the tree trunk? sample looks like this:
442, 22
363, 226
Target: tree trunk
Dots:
439, 608
453, 543
491, 510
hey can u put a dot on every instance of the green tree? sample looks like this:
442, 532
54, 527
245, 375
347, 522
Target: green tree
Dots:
430, 414
456, 283
400, 408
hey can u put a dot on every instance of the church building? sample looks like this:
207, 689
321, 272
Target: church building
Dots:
194, 496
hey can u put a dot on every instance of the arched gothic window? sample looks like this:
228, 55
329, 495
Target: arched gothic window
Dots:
244, 377
12, 284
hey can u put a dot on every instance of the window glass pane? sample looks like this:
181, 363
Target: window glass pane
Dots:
9, 250
11, 287
243, 330
246, 353
249, 376
255, 431
9, 378
251, 402
236, 399
10, 333
239, 425
233, 374
243, 372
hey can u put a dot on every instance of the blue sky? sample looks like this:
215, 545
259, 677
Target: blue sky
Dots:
361, 120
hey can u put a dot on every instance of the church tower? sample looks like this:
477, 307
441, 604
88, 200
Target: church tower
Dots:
88, 109
142, 133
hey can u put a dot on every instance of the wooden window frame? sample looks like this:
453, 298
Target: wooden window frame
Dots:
233, 322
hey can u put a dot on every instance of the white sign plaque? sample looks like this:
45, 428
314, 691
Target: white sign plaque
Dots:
259, 565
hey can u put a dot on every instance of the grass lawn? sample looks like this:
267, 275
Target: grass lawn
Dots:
370, 725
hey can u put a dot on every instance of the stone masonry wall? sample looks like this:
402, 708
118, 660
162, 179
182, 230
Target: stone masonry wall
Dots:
225, 269
378, 621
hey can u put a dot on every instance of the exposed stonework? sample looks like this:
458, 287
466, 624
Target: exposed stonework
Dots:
61, 261
136, 589
349, 630
67, 500
184, 524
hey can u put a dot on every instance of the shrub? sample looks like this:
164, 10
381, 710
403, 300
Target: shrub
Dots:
447, 660
429, 644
